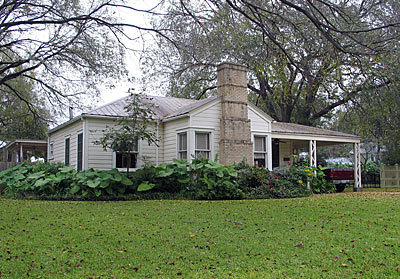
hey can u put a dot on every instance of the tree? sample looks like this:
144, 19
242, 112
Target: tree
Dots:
306, 58
17, 121
65, 48
375, 115
135, 126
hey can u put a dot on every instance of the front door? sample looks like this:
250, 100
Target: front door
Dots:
275, 153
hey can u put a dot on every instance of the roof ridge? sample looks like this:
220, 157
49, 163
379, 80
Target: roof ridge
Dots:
107, 104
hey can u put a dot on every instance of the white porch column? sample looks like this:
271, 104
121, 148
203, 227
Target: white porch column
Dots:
313, 156
357, 168
191, 148
313, 153
269, 152
21, 154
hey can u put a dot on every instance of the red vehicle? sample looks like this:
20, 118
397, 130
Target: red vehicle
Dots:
340, 177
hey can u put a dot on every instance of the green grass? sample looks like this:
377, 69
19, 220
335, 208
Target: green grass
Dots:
328, 236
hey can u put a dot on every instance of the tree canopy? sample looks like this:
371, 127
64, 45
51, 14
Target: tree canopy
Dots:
66, 49
305, 58
17, 120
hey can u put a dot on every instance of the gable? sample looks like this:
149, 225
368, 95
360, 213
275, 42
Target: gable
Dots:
259, 120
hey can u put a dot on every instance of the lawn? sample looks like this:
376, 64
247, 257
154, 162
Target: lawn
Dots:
350, 235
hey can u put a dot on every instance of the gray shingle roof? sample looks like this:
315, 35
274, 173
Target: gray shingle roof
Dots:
291, 128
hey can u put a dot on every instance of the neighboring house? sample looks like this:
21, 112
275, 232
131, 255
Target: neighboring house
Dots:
20, 150
226, 127
370, 152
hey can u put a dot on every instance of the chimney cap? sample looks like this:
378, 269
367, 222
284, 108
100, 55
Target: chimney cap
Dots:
233, 66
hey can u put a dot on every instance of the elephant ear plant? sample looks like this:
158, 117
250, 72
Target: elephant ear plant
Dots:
201, 179
59, 181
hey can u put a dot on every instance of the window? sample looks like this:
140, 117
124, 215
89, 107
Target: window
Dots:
202, 146
51, 148
67, 145
123, 158
260, 151
182, 146
80, 152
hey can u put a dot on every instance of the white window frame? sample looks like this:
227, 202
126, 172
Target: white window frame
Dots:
139, 161
209, 150
51, 150
268, 142
69, 149
191, 140
77, 149
178, 151
265, 152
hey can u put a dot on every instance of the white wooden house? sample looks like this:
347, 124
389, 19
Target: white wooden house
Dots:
226, 127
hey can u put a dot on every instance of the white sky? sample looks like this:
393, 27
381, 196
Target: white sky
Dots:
132, 58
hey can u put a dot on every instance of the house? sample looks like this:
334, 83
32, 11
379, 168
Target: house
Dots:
227, 127
20, 150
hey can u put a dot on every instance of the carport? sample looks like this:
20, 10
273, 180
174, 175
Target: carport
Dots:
289, 138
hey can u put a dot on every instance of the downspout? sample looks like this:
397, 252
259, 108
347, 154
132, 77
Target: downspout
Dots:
157, 149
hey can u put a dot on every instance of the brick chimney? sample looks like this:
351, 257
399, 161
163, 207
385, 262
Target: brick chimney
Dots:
235, 140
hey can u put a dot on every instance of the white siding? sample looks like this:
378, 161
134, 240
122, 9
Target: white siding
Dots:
209, 118
169, 137
97, 158
258, 123
57, 138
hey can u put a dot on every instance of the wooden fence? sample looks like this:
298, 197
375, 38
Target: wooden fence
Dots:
5, 165
390, 176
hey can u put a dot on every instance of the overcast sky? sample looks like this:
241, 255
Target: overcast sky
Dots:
132, 58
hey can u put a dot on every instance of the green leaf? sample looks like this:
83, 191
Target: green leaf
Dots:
42, 182
104, 184
145, 186
126, 181
75, 189
93, 183
220, 173
165, 172
117, 177
109, 191
36, 175
97, 192
67, 169
19, 176
232, 172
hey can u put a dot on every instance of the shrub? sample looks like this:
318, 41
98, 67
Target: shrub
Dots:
211, 181
372, 167
201, 179
252, 180
57, 180
287, 183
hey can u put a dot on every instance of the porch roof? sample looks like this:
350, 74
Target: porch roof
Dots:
26, 142
297, 131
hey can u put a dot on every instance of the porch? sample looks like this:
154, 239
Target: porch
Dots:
22, 150
288, 139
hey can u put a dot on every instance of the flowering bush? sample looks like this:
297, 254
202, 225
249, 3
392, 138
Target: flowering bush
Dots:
316, 177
